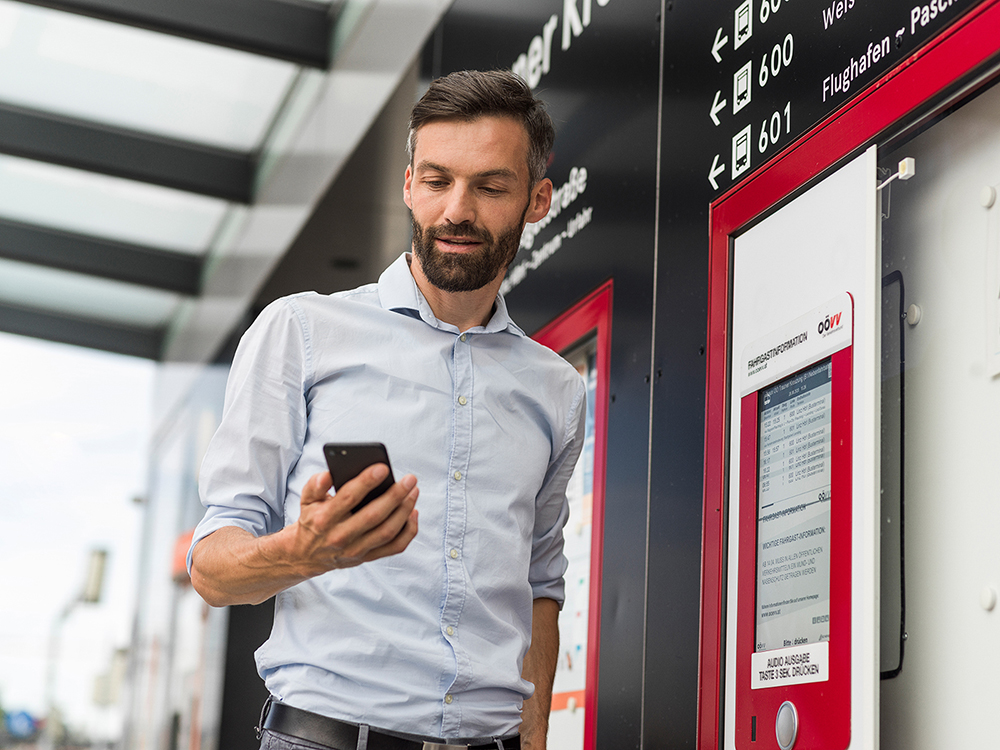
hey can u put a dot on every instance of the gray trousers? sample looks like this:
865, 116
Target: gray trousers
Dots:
273, 741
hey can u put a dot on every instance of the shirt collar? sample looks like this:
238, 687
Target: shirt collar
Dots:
398, 291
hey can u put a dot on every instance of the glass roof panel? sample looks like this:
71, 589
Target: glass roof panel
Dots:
53, 290
143, 80
77, 201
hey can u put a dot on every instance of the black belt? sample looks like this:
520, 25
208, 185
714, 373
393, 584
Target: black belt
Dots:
341, 735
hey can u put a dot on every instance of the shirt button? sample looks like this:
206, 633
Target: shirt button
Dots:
462, 337
450, 630
457, 475
448, 698
454, 554
463, 400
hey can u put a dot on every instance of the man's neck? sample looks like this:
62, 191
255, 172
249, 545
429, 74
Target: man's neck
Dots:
464, 310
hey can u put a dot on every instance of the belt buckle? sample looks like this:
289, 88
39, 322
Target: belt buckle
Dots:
439, 746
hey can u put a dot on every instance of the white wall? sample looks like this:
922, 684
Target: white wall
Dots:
940, 236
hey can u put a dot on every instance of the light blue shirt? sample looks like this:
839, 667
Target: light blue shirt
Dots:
430, 641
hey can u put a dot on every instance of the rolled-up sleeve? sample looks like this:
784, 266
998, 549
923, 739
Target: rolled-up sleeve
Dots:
548, 564
245, 471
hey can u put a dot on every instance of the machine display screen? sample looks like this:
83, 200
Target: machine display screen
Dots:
793, 510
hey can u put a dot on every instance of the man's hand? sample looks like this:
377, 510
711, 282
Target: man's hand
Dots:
231, 566
328, 536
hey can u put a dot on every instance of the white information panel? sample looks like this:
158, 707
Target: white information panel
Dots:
566, 721
789, 272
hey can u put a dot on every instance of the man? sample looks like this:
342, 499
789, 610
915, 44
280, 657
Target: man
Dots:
383, 637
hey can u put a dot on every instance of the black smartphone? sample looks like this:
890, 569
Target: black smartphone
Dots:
347, 460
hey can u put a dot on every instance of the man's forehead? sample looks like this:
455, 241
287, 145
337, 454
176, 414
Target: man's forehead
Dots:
508, 133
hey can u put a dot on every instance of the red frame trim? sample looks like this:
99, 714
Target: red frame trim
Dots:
962, 49
827, 704
590, 314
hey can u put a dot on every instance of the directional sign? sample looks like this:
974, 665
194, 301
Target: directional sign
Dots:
793, 63
717, 105
715, 171
741, 152
719, 43
743, 87
744, 23
20, 725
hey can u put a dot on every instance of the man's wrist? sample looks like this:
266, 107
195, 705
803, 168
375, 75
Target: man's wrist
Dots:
280, 553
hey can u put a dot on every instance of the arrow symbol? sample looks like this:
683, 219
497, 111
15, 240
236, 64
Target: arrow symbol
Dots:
720, 42
716, 106
715, 171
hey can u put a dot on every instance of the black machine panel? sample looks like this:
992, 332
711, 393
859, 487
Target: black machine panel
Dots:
740, 80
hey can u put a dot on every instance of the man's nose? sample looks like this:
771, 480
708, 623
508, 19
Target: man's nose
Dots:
460, 208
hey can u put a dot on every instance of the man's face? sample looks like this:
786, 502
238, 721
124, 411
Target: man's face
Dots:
470, 195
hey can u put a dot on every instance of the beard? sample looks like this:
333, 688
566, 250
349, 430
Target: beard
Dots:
465, 272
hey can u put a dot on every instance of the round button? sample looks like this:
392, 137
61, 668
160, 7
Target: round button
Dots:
462, 400
786, 725
458, 475
988, 598
462, 337
448, 698
450, 630
454, 554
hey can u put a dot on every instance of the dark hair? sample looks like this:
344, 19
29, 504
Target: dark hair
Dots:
471, 94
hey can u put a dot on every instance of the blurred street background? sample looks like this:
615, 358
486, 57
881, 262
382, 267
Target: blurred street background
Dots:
74, 428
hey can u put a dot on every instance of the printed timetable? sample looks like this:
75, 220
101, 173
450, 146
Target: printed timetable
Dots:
793, 510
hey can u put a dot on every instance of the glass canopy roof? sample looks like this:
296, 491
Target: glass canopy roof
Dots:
143, 80
116, 76
124, 210
79, 295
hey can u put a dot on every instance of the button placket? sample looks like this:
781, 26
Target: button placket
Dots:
456, 513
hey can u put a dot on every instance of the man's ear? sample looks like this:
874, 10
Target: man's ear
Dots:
541, 199
407, 179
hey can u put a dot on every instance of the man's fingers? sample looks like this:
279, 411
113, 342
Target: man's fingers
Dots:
355, 490
343, 538
389, 538
393, 526
317, 488
400, 542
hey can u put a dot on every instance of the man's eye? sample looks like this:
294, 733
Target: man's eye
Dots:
492, 191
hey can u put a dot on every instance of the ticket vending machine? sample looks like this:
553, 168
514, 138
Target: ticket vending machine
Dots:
793, 646
803, 617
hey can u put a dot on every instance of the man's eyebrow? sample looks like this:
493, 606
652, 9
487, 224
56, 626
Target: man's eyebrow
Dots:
499, 172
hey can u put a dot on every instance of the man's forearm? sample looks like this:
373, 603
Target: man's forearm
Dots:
540, 669
232, 566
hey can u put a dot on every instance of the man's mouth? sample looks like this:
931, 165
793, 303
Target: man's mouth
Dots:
458, 243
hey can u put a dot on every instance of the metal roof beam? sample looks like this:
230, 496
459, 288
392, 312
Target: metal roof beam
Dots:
208, 170
65, 329
300, 32
134, 264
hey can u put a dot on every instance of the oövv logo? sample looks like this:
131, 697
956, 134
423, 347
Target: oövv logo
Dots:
829, 323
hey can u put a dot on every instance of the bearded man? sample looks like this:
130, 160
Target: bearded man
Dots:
385, 638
